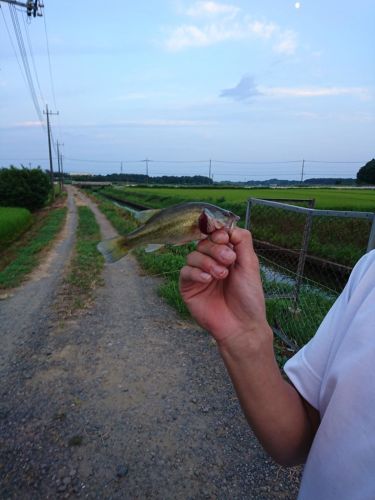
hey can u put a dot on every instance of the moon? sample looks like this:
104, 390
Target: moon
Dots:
297, 5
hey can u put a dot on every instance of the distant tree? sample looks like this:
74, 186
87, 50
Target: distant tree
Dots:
23, 187
366, 174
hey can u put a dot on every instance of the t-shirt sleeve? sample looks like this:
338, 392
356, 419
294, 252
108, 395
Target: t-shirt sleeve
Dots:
307, 367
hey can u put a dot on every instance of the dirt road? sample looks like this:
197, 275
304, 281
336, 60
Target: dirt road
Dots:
125, 401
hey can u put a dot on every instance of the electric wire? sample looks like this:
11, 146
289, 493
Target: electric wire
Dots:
26, 26
23, 53
13, 46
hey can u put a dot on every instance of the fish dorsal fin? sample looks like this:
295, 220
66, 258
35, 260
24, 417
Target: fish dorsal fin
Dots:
152, 247
145, 215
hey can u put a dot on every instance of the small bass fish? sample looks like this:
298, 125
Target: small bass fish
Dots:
174, 225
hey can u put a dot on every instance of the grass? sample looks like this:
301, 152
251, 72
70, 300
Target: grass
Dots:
26, 257
167, 263
86, 265
13, 222
121, 220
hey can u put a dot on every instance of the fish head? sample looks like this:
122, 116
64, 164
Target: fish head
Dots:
214, 218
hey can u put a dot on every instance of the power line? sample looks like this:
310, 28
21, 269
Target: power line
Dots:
13, 46
256, 162
32, 57
49, 61
23, 53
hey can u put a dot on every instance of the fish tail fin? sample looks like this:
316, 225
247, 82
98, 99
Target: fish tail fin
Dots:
113, 249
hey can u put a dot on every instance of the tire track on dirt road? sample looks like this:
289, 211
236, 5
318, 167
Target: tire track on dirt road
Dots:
128, 401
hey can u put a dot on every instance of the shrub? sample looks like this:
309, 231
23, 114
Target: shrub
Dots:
22, 187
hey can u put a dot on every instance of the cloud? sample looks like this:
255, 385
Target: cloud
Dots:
360, 92
201, 9
149, 122
216, 22
287, 43
29, 124
244, 90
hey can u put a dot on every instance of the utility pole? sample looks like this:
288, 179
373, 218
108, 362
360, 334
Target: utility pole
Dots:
121, 168
62, 168
59, 164
209, 170
146, 160
48, 113
33, 7
302, 170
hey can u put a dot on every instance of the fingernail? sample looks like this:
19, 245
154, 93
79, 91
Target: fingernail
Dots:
206, 277
219, 271
226, 253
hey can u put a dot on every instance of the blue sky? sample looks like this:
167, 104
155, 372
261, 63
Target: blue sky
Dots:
253, 82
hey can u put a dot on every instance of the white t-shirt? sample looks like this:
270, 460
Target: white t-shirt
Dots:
335, 373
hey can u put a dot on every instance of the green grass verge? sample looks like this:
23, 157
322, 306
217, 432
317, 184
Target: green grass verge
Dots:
87, 263
13, 222
167, 263
121, 220
27, 257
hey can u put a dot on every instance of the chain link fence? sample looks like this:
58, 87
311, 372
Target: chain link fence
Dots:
306, 257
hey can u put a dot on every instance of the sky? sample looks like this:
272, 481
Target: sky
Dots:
254, 86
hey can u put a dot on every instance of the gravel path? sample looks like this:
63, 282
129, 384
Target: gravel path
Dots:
125, 401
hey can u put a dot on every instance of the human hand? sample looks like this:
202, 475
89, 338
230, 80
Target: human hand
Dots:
221, 285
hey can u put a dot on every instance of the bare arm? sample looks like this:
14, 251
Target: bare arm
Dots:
222, 288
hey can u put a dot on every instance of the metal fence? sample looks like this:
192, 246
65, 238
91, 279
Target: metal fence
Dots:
306, 257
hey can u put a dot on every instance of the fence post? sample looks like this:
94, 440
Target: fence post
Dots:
302, 257
371, 239
248, 214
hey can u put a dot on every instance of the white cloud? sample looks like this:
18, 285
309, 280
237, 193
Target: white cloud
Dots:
199, 9
261, 29
29, 124
216, 22
360, 92
151, 122
165, 123
287, 43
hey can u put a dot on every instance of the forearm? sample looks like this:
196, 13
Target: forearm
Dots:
273, 408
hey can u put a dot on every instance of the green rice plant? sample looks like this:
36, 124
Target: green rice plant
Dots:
27, 257
13, 222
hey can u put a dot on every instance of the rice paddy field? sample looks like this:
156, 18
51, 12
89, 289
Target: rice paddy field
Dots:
13, 222
325, 198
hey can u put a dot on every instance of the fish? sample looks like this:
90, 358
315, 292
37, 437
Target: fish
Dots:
174, 225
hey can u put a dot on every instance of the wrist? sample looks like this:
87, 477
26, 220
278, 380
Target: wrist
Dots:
248, 343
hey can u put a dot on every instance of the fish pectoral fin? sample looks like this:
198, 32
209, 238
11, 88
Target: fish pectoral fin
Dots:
152, 247
145, 215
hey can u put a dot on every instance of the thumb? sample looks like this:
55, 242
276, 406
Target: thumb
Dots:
243, 246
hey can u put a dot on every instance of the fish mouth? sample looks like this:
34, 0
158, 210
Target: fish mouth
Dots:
233, 221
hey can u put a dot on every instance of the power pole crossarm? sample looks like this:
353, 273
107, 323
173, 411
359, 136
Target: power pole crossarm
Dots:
33, 7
